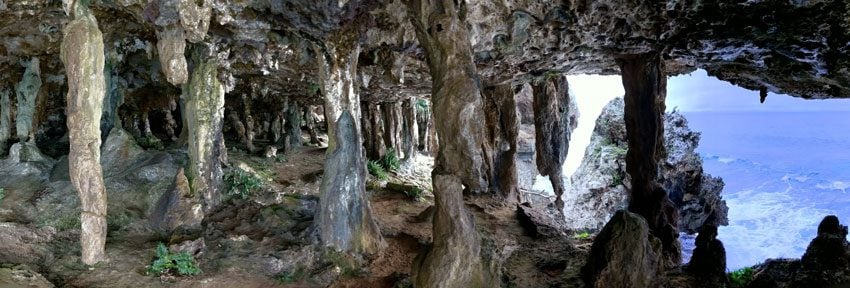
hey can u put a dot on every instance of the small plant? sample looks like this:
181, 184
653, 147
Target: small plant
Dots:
390, 161
151, 142
741, 277
582, 236
181, 263
289, 277
376, 170
2, 194
617, 179
242, 183
415, 193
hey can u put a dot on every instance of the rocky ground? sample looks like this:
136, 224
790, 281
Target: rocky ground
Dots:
265, 238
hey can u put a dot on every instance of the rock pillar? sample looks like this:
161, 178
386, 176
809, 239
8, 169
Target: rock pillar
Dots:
27, 92
645, 83
502, 131
345, 217
204, 96
552, 130
409, 130
82, 54
292, 126
374, 142
454, 258
5, 119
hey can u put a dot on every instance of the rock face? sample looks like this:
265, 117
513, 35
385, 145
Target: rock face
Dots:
503, 123
599, 186
204, 115
82, 53
178, 207
27, 92
23, 245
624, 254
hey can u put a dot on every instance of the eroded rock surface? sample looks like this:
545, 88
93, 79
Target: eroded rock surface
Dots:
599, 186
624, 254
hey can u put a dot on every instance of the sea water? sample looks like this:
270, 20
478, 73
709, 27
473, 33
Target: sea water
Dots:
784, 171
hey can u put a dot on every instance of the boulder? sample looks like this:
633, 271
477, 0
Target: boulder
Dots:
20, 244
177, 207
624, 254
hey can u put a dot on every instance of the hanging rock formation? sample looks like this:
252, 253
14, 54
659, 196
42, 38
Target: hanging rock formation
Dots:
82, 53
27, 92
503, 124
392, 125
345, 217
645, 83
5, 119
554, 120
204, 96
600, 184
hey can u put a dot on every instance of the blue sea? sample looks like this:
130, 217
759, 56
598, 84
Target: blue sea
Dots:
784, 171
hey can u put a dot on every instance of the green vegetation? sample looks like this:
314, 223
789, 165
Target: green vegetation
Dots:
181, 263
741, 277
617, 179
279, 158
415, 193
582, 236
618, 151
347, 266
390, 161
376, 170
61, 223
242, 183
2, 194
294, 276
151, 142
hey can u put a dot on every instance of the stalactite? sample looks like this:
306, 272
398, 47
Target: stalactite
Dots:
292, 126
5, 119
454, 258
249, 123
645, 83
552, 130
375, 138
503, 131
114, 97
345, 217
27, 92
204, 96
409, 131
82, 54
390, 119
276, 127
423, 122
310, 123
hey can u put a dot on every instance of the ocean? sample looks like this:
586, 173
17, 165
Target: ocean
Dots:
784, 171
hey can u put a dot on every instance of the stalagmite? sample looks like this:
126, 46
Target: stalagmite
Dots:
27, 92
204, 112
238, 127
292, 126
310, 123
454, 258
374, 138
645, 83
82, 54
409, 130
345, 217
503, 124
249, 123
552, 130
5, 119
423, 122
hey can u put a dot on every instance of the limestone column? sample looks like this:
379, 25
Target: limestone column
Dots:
390, 119
409, 130
374, 139
310, 123
82, 54
27, 92
345, 217
552, 130
292, 126
5, 119
503, 131
422, 122
454, 258
204, 96
645, 83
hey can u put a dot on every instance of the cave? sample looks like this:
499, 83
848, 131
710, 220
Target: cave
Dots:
423, 143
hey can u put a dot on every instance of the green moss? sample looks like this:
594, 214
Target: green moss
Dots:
151, 142
2, 194
582, 236
346, 264
617, 179
741, 277
62, 223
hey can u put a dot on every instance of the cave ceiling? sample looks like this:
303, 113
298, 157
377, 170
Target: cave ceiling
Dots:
269, 48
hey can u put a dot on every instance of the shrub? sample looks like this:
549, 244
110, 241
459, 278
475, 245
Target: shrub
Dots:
582, 236
151, 142
242, 183
181, 263
741, 277
376, 170
390, 161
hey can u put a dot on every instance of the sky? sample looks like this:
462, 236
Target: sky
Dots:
695, 92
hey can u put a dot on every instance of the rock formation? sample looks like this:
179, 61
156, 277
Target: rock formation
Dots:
624, 254
82, 53
5, 120
204, 96
27, 92
599, 186
553, 125
708, 262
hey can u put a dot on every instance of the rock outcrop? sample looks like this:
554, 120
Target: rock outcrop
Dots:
624, 254
599, 186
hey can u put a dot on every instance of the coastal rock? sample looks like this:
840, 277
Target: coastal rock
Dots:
600, 185
624, 254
